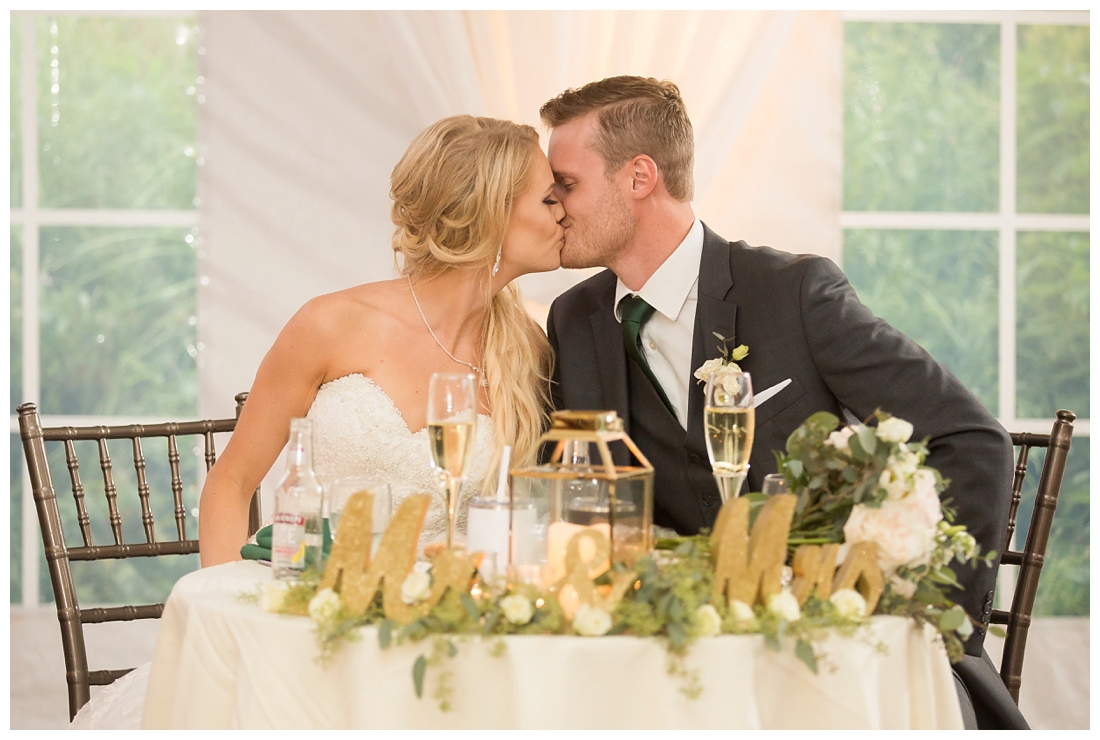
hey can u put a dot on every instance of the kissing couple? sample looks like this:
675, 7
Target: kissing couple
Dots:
476, 204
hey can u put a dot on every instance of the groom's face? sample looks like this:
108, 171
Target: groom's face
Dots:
598, 220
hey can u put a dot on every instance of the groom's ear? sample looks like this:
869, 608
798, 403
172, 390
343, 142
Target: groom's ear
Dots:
644, 176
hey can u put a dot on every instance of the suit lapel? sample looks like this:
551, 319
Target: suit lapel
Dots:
713, 313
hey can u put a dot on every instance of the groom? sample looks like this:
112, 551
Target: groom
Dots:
631, 337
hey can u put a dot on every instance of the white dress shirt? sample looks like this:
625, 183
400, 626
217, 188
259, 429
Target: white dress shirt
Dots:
667, 337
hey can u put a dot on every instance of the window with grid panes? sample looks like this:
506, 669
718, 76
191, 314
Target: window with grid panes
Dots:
966, 223
103, 265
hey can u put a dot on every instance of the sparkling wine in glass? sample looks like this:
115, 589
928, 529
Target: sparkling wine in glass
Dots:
730, 422
452, 423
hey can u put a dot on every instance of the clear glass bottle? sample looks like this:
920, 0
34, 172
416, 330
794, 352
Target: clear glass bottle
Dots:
296, 536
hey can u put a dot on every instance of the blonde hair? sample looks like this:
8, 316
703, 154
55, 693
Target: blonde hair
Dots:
634, 115
453, 192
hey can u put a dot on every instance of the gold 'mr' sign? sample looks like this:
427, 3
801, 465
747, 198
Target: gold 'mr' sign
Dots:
360, 577
749, 566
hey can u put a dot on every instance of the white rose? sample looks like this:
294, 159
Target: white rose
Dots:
895, 486
323, 605
894, 430
517, 608
849, 603
897, 528
839, 439
708, 621
591, 621
416, 587
273, 596
902, 587
925, 499
742, 613
709, 367
785, 606
904, 463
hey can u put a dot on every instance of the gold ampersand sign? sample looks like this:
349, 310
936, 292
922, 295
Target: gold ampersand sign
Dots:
577, 587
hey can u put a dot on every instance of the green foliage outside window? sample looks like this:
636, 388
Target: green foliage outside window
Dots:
1052, 324
921, 117
1052, 126
116, 112
117, 322
940, 289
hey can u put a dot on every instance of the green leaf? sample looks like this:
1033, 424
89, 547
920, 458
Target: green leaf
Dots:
385, 633
676, 635
805, 652
452, 650
772, 642
795, 468
867, 439
470, 606
952, 619
997, 631
419, 668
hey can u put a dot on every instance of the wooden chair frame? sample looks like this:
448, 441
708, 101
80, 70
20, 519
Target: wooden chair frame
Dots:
59, 555
1030, 559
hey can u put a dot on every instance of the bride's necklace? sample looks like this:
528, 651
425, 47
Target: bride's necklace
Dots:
472, 366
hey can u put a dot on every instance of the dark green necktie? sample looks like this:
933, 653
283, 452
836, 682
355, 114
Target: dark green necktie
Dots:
634, 312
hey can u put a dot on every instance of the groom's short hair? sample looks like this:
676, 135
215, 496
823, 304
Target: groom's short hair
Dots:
635, 115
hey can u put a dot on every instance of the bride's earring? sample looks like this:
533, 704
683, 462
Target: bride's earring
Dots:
496, 265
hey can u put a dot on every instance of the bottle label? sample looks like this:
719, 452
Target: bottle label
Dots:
288, 541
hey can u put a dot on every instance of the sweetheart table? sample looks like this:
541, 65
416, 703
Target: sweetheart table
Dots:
221, 662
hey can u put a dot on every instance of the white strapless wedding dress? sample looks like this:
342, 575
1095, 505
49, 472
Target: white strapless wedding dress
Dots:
357, 431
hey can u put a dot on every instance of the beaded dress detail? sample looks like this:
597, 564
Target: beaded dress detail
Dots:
357, 430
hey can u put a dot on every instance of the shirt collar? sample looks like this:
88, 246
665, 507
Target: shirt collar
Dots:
668, 289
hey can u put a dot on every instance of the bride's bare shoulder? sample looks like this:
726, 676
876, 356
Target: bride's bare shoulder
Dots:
368, 306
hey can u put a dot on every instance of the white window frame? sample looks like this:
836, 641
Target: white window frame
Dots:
1007, 222
31, 218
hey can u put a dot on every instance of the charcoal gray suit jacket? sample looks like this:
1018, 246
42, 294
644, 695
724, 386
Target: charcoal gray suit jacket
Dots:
801, 321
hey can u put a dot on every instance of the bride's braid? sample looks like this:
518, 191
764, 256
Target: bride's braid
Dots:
452, 194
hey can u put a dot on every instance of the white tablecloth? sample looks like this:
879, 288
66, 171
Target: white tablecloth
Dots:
224, 663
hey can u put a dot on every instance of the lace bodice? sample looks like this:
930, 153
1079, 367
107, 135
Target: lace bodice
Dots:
357, 430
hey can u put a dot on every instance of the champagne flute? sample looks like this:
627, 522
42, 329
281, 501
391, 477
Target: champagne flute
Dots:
452, 422
730, 422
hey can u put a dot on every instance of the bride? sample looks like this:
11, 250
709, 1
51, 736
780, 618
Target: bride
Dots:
474, 208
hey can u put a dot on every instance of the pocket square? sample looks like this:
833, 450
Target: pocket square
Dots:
762, 396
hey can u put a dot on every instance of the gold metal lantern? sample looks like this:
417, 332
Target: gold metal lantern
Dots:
580, 486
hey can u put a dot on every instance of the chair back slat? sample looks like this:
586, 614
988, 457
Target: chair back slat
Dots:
59, 556
1019, 474
143, 492
110, 490
179, 511
1031, 558
209, 452
83, 520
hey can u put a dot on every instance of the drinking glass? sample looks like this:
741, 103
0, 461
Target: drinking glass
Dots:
452, 423
774, 483
730, 422
337, 493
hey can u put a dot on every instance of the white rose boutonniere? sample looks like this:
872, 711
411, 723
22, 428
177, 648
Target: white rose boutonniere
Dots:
416, 587
729, 359
591, 621
517, 609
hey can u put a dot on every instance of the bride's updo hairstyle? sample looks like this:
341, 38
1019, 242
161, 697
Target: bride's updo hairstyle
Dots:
452, 194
